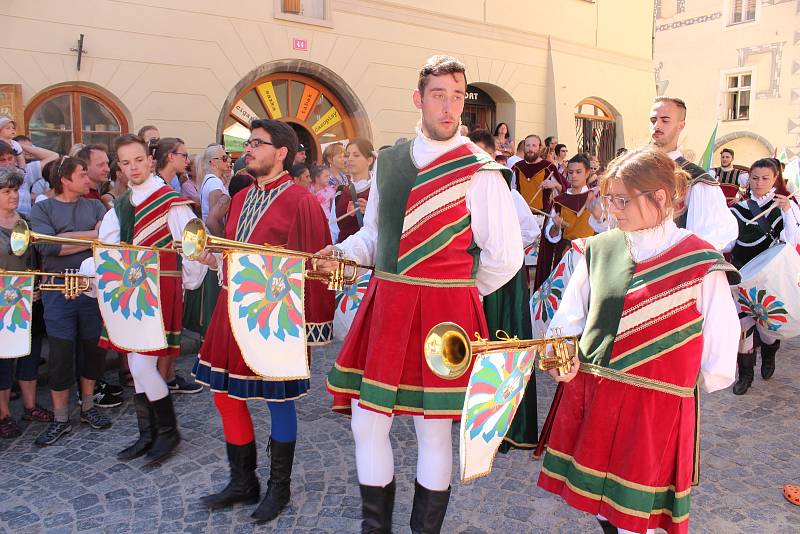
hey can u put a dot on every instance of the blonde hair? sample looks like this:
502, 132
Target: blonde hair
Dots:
646, 170
203, 161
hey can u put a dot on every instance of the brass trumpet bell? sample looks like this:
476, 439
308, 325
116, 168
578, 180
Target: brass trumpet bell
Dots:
73, 285
196, 239
449, 352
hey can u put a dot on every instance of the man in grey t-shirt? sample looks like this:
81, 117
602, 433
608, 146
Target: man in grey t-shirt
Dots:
70, 321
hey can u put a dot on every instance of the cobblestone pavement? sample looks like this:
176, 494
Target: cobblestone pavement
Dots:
749, 449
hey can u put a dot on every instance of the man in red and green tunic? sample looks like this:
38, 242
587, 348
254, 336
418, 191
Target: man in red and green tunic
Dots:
152, 214
441, 230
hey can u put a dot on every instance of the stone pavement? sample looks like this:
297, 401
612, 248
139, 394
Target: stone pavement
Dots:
749, 450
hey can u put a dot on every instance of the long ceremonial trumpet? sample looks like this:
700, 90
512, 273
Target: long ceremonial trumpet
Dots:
449, 352
73, 285
22, 237
196, 239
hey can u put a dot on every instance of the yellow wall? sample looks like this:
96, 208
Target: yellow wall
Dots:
696, 56
175, 63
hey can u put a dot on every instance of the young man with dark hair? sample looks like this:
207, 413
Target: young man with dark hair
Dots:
70, 322
278, 211
96, 157
484, 139
453, 237
726, 173
704, 209
152, 214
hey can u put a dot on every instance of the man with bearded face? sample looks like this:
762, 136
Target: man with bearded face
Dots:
441, 229
704, 209
277, 211
537, 179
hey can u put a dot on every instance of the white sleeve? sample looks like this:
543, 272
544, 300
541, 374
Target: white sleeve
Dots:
598, 226
109, 229
193, 272
555, 240
527, 222
570, 318
791, 225
721, 322
495, 229
333, 224
744, 179
709, 217
361, 245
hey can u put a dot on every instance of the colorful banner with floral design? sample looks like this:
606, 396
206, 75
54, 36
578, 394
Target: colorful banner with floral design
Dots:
546, 300
129, 298
494, 392
265, 306
347, 302
768, 297
16, 304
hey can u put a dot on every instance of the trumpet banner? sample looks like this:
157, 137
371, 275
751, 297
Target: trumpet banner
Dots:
347, 302
532, 252
546, 300
129, 297
265, 307
16, 304
494, 392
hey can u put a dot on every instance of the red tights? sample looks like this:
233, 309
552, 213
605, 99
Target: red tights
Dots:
237, 425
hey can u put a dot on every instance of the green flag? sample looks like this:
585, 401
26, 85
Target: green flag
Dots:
708, 155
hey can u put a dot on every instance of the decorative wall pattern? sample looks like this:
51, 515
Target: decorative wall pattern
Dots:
776, 49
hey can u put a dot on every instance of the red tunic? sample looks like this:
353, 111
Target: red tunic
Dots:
624, 437
294, 220
150, 229
348, 225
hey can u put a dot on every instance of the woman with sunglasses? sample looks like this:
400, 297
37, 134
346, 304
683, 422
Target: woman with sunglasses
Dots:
654, 310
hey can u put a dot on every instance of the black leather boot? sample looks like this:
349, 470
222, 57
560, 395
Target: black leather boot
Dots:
145, 419
607, 527
243, 486
280, 478
166, 430
377, 505
428, 510
768, 359
746, 364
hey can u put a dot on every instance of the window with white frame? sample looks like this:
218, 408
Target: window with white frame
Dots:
304, 11
737, 96
743, 11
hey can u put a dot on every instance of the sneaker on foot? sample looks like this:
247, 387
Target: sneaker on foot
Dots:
106, 400
180, 385
9, 428
38, 414
95, 419
111, 389
52, 433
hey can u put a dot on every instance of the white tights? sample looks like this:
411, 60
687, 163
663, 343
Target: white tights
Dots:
146, 378
374, 457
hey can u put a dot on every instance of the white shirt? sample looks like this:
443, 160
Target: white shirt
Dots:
495, 227
528, 226
708, 214
33, 173
333, 224
791, 219
721, 322
177, 217
211, 182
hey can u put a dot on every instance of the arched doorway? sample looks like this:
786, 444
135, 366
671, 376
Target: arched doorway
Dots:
748, 147
312, 108
479, 109
595, 129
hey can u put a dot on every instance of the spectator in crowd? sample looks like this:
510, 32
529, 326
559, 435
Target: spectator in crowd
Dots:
347, 212
301, 175
503, 140
189, 181
215, 168
119, 184
320, 186
75, 321
23, 369
300, 156
8, 129
550, 142
594, 171
519, 155
149, 132
171, 160
240, 181
96, 156
36, 158
560, 155
41, 190
333, 159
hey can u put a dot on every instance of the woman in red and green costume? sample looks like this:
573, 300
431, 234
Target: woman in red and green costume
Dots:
624, 442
